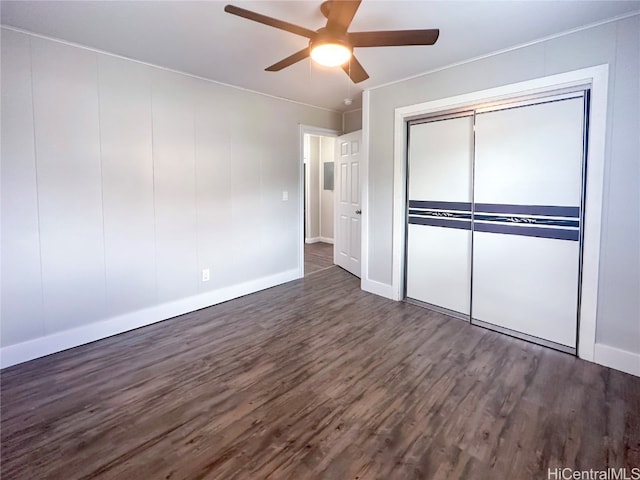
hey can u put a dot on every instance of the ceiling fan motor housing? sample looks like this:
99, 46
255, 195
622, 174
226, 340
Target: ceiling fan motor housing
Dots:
324, 36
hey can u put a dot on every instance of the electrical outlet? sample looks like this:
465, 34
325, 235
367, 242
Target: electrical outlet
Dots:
205, 274
285, 195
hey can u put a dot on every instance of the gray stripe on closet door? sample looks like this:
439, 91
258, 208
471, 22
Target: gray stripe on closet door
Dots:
528, 231
459, 206
549, 210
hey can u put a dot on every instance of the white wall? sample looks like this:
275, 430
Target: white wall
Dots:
121, 181
318, 201
352, 121
327, 154
616, 43
312, 187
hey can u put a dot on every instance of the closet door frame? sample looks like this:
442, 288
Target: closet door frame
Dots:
581, 93
593, 78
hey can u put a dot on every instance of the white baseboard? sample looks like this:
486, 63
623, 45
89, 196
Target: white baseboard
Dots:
378, 288
622, 360
56, 342
318, 239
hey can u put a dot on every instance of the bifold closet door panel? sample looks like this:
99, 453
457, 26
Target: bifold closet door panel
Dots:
439, 230
527, 198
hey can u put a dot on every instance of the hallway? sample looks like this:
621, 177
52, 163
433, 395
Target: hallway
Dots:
317, 256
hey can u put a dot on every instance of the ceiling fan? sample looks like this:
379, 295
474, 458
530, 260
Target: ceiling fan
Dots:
333, 45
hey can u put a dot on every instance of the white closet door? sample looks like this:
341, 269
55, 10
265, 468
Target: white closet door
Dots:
527, 197
439, 235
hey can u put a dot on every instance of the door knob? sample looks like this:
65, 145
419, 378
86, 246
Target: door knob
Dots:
358, 212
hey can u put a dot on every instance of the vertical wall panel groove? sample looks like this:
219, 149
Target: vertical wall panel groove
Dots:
153, 184
100, 161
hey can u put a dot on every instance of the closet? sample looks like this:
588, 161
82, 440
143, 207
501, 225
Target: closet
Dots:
494, 215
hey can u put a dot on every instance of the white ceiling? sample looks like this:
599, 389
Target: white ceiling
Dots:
201, 39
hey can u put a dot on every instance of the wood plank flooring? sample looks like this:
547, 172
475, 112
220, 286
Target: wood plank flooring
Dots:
317, 256
314, 379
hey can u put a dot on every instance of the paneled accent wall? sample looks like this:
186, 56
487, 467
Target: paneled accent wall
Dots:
121, 182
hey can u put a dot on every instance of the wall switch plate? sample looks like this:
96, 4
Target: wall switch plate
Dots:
285, 195
205, 275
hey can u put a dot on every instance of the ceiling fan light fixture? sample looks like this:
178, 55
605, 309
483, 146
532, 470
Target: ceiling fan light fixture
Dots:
333, 44
330, 54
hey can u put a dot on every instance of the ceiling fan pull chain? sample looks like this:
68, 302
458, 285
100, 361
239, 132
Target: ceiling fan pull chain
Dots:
349, 82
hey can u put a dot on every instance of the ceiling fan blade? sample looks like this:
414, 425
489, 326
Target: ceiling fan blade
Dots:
394, 38
341, 14
272, 22
290, 60
355, 70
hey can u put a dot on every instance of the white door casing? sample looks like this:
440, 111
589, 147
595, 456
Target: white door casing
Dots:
348, 213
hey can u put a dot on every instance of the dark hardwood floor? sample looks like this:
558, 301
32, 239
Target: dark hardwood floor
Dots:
317, 256
314, 379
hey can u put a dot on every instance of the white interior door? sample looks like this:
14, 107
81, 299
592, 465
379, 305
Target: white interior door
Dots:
348, 213
527, 198
439, 223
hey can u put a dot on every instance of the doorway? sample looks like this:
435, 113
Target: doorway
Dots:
319, 205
